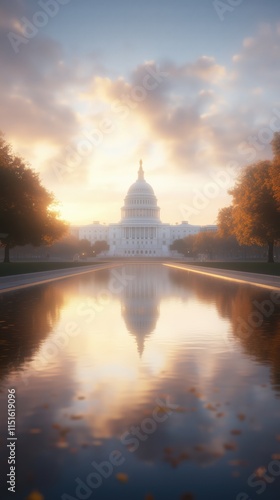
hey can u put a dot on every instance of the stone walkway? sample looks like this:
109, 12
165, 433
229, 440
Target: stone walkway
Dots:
255, 279
18, 281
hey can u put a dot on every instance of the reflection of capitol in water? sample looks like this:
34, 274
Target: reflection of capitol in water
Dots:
140, 300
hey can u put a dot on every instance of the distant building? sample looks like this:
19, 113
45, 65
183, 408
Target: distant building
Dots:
140, 233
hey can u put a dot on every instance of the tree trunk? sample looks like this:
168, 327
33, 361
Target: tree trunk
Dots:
7, 253
270, 251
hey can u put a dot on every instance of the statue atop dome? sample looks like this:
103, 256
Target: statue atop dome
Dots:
141, 172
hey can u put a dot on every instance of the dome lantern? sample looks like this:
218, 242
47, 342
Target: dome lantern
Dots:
141, 172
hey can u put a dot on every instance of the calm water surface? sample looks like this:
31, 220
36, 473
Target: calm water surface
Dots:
144, 383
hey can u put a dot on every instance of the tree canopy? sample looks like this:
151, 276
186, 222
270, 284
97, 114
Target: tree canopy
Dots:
27, 210
254, 216
275, 168
100, 246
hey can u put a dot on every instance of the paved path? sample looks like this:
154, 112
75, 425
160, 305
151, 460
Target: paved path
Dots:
18, 281
255, 279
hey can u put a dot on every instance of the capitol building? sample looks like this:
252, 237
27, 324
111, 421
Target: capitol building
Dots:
140, 232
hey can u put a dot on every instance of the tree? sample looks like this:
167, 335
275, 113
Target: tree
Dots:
179, 246
275, 167
254, 217
225, 221
27, 209
100, 246
84, 247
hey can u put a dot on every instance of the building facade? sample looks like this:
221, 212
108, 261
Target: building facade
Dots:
140, 233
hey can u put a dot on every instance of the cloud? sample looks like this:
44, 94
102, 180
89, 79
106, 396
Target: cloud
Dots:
259, 59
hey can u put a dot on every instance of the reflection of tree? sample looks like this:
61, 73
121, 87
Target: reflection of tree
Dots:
258, 332
26, 319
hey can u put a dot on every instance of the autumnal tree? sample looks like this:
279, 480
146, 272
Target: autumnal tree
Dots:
225, 221
275, 167
254, 217
27, 209
179, 246
100, 246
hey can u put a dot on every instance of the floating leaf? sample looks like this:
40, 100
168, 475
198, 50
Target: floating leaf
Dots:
61, 443
236, 432
260, 471
241, 417
210, 407
229, 446
35, 495
122, 477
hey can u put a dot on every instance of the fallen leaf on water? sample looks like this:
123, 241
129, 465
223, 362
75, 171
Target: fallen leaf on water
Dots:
76, 417
275, 456
81, 397
61, 443
210, 407
35, 495
235, 432
260, 471
63, 431
241, 416
56, 426
122, 477
219, 415
229, 446
35, 431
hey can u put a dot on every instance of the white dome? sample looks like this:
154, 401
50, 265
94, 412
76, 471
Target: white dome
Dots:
140, 204
141, 187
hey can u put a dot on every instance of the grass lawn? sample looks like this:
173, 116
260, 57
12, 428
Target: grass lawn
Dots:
249, 267
7, 269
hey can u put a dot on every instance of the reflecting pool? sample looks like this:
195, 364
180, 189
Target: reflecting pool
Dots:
142, 382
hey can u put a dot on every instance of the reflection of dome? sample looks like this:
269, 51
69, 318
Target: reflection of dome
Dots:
140, 319
140, 303
140, 204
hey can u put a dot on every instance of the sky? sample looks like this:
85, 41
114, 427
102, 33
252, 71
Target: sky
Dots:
191, 87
